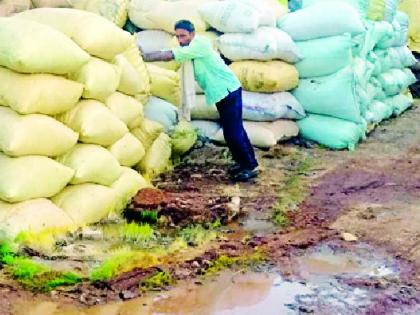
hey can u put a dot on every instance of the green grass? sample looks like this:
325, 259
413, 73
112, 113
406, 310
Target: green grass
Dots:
156, 281
224, 262
197, 235
136, 233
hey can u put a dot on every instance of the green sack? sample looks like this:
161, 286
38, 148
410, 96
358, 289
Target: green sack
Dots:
399, 103
335, 95
324, 56
331, 132
377, 112
183, 138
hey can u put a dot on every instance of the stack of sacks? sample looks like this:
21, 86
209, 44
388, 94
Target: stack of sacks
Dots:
65, 142
115, 10
262, 56
338, 86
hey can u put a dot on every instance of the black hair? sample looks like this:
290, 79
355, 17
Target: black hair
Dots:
185, 25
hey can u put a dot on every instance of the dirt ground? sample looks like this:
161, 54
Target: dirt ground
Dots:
365, 201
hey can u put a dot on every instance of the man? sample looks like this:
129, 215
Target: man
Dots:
221, 87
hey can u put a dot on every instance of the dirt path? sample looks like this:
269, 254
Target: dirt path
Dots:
372, 194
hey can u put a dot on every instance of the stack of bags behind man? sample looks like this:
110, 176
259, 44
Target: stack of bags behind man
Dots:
339, 89
67, 148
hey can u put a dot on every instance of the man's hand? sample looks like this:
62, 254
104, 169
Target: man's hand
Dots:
159, 56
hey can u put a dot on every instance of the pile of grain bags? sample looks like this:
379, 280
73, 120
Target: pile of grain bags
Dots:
344, 84
68, 143
262, 58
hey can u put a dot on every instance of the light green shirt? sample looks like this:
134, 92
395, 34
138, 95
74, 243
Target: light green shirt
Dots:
211, 73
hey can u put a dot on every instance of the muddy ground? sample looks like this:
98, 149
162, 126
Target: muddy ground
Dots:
338, 213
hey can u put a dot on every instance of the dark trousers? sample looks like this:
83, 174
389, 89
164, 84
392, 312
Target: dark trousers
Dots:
230, 111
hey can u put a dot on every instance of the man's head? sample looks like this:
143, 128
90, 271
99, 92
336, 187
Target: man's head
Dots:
185, 32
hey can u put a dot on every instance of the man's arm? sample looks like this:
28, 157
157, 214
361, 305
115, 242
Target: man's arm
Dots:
159, 56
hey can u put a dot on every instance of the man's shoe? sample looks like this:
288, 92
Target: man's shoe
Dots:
245, 175
233, 170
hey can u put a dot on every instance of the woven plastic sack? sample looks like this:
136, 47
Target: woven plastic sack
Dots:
127, 186
183, 138
44, 93
94, 34
162, 112
131, 81
95, 123
263, 8
379, 10
30, 177
157, 158
205, 128
31, 47
154, 40
165, 84
377, 112
128, 150
33, 134
322, 20
266, 77
411, 7
147, 133
324, 56
87, 203
52, 3
162, 15
92, 164
360, 5
100, 79
231, 16
396, 80
114, 10
333, 95
331, 132
10, 7
265, 43
399, 103
33, 216
125, 107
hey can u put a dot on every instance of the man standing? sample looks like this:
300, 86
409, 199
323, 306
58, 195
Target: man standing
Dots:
221, 87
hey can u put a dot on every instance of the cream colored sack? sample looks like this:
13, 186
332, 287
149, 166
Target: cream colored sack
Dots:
162, 15
100, 79
127, 186
266, 76
96, 35
148, 131
30, 47
10, 7
165, 84
43, 93
157, 158
92, 164
131, 81
33, 216
132, 54
87, 203
94, 122
113, 10
52, 3
128, 150
33, 134
125, 107
30, 177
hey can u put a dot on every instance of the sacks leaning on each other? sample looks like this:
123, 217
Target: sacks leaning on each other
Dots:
125, 107
377, 112
31, 47
130, 79
411, 8
230, 16
264, 134
94, 34
128, 150
43, 93
256, 107
157, 158
324, 56
94, 122
33, 134
162, 15
183, 138
100, 79
127, 186
324, 19
165, 84
333, 95
154, 40
206, 128
265, 43
30, 177
91, 164
266, 76
331, 132
396, 80
399, 103
32, 216
115, 10
86, 203
147, 132
162, 112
